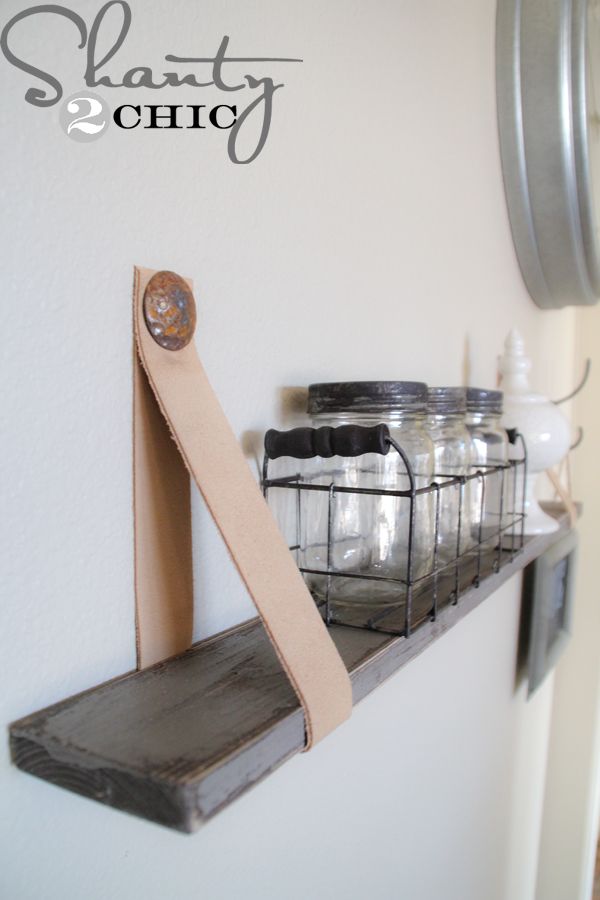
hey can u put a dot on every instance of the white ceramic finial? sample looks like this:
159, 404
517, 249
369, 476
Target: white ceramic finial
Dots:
545, 429
514, 365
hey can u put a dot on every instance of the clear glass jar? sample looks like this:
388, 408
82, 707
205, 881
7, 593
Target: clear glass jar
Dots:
490, 507
446, 408
368, 533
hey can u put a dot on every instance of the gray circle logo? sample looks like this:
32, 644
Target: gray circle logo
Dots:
84, 116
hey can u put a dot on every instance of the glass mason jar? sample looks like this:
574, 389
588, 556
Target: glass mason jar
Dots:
367, 535
490, 504
452, 459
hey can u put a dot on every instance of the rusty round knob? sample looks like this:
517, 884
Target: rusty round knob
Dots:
169, 310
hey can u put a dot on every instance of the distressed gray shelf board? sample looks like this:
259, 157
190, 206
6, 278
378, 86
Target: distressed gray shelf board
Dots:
177, 742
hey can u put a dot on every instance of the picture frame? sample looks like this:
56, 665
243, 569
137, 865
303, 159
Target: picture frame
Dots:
549, 591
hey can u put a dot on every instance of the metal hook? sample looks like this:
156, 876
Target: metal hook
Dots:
578, 389
578, 440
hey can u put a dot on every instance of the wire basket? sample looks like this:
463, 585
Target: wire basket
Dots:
419, 596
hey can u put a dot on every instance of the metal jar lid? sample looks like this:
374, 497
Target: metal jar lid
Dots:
447, 401
366, 396
480, 400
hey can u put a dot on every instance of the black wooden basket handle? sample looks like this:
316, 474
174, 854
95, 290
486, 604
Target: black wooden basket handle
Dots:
345, 440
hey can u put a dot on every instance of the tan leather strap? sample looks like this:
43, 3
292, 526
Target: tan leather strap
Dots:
164, 594
214, 458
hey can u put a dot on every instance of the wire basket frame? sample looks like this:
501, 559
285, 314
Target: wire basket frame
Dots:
419, 596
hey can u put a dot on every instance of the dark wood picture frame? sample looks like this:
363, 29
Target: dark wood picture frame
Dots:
550, 591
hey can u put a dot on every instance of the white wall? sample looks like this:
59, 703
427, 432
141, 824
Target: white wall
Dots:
570, 828
369, 240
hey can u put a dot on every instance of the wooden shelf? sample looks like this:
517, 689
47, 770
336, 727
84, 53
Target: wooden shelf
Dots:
179, 741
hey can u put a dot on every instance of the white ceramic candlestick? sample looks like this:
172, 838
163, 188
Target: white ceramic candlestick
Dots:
545, 429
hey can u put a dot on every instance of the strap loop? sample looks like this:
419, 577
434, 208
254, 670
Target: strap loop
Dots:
215, 460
